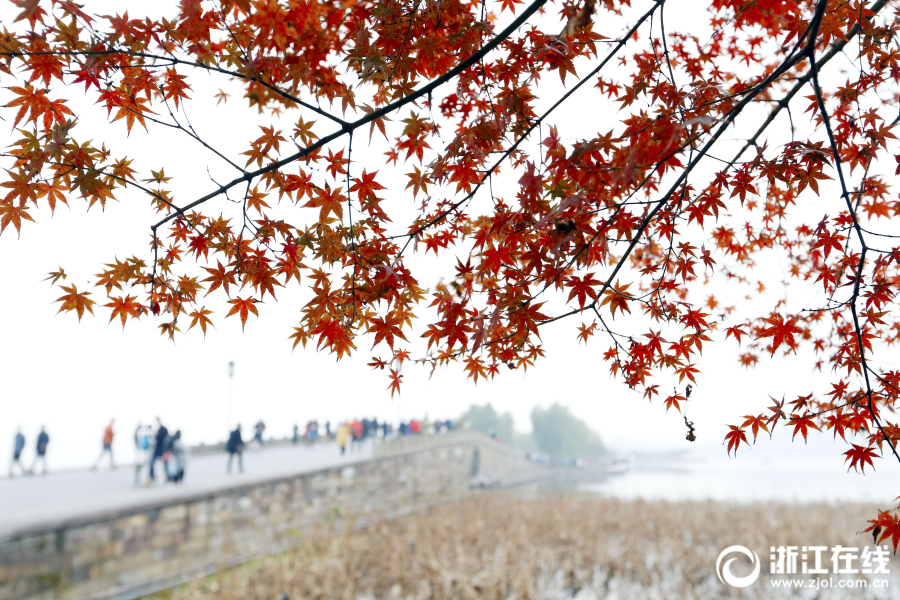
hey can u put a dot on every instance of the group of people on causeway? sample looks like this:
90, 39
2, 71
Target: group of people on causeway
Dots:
152, 446
159, 451
348, 434
158, 445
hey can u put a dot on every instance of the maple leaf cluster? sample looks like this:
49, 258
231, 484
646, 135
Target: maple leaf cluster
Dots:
633, 230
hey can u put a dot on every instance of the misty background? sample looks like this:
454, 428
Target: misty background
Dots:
74, 377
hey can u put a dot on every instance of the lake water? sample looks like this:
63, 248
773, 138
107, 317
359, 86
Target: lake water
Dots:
781, 476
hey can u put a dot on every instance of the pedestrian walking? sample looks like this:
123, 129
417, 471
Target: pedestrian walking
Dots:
159, 447
18, 447
235, 445
166, 456
259, 428
108, 435
343, 436
356, 434
43, 440
142, 442
296, 439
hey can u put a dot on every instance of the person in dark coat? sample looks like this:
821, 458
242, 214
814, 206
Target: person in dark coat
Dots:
160, 447
18, 447
235, 445
258, 437
43, 441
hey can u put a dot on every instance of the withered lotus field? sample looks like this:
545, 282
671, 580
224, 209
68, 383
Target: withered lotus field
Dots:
553, 546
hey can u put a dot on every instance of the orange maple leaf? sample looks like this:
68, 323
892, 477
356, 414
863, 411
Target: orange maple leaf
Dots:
734, 438
124, 308
201, 316
73, 300
861, 456
243, 307
616, 299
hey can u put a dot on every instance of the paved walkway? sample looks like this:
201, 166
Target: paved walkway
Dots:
42, 500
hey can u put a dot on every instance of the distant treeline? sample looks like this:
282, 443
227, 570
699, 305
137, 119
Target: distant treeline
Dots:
556, 432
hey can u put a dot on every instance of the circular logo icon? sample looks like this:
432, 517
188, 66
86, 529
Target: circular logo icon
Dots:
724, 571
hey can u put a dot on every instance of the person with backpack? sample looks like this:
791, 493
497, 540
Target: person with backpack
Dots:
142, 442
235, 445
18, 447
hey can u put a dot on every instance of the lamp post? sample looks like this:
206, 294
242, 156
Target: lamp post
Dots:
230, 392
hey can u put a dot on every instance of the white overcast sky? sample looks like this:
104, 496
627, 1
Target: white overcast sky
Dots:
74, 377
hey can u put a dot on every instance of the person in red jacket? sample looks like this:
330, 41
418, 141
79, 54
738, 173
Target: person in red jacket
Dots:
356, 433
108, 435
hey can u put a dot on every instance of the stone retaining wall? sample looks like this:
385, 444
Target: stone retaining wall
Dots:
136, 551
